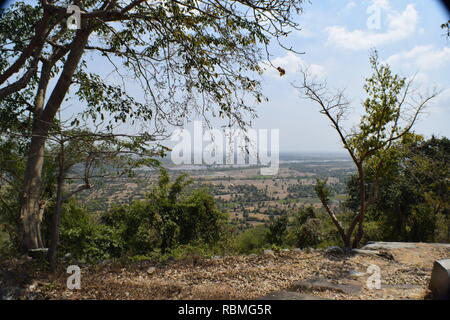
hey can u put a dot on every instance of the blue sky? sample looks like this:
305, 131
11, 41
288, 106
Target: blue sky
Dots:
336, 40
337, 37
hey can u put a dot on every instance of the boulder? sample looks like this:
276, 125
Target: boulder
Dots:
440, 280
287, 295
366, 252
324, 285
357, 274
269, 252
401, 245
151, 270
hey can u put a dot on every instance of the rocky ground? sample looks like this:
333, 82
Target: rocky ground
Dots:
296, 274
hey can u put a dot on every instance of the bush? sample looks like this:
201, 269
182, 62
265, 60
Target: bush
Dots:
305, 229
86, 240
166, 218
306, 235
251, 240
277, 231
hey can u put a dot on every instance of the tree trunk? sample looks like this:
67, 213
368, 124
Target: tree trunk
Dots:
54, 240
31, 209
363, 206
29, 213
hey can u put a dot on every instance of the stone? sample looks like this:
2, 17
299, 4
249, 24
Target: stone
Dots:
269, 252
366, 252
357, 274
334, 250
383, 253
440, 280
287, 295
401, 245
151, 270
324, 285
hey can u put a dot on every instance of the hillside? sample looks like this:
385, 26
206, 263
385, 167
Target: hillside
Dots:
405, 274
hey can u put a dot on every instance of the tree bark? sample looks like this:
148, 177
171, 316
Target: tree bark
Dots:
363, 207
31, 196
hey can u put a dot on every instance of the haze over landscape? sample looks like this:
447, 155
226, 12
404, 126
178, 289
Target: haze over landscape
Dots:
224, 150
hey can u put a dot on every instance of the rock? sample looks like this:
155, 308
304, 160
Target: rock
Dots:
286, 250
151, 270
383, 254
386, 254
334, 250
216, 257
401, 245
355, 273
440, 280
253, 255
323, 285
287, 295
269, 252
366, 252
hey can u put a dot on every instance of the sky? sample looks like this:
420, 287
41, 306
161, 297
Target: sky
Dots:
336, 38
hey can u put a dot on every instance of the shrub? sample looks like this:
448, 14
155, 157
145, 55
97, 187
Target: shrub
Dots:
277, 231
251, 240
85, 240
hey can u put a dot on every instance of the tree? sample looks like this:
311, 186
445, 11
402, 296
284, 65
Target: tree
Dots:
305, 229
99, 156
277, 230
390, 112
175, 215
188, 56
413, 202
446, 28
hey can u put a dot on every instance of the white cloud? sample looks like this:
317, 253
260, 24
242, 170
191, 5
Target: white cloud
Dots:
400, 26
383, 4
350, 5
423, 58
306, 33
292, 64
